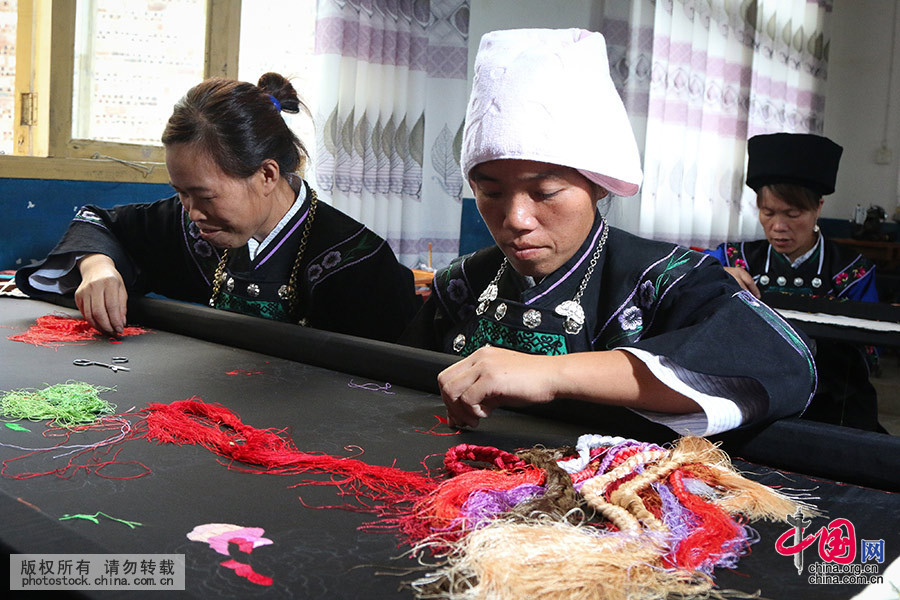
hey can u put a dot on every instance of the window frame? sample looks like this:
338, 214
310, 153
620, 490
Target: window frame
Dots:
49, 72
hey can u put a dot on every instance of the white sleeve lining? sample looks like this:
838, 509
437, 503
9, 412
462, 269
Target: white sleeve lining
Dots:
720, 398
57, 275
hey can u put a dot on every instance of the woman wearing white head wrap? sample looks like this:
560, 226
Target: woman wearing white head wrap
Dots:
565, 306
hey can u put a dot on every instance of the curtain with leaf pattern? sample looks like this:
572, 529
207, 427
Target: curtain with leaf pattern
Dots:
699, 78
390, 108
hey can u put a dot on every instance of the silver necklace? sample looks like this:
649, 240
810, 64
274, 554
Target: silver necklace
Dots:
570, 309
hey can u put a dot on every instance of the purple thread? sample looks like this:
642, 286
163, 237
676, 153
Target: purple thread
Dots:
483, 505
678, 519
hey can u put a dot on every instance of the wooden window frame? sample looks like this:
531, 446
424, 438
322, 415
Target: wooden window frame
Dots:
46, 149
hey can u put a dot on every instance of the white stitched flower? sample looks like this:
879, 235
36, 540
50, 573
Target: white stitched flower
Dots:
631, 319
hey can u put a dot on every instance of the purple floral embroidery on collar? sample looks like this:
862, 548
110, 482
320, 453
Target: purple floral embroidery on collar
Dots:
631, 319
646, 294
203, 248
457, 290
193, 230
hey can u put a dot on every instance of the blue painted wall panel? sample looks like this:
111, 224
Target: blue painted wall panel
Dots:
37, 211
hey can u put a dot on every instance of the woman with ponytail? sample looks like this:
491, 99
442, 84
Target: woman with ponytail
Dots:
244, 231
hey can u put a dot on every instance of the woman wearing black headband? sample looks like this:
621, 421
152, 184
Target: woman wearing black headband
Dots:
243, 233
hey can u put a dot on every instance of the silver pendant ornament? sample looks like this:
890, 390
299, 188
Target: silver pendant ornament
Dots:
459, 343
487, 296
816, 282
574, 315
491, 291
500, 311
531, 318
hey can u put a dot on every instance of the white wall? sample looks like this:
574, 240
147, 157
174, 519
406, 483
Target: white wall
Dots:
857, 94
856, 105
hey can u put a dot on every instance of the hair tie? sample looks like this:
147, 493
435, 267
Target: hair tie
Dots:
275, 102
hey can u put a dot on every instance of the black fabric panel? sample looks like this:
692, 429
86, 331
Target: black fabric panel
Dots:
319, 553
367, 358
870, 311
869, 459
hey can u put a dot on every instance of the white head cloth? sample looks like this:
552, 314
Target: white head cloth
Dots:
546, 95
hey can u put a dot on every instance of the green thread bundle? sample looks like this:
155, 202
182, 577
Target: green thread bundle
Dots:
67, 404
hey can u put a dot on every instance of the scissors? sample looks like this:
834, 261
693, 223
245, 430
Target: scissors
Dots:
84, 362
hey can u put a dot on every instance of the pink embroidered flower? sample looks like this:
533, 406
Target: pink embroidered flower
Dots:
741, 263
860, 272
841, 278
730, 250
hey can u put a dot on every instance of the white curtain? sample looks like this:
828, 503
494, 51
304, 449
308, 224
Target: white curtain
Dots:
698, 78
390, 108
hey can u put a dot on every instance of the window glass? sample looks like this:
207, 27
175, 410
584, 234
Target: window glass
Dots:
281, 38
7, 74
133, 60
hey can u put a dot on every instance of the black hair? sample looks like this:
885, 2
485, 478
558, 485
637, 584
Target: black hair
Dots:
796, 196
240, 124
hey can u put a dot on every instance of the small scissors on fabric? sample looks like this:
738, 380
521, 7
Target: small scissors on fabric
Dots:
115, 368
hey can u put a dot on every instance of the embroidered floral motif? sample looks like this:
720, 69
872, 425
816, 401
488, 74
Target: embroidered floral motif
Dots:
314, 272
193, 230
646, 294
844, 279
640, 305
366, 245
631, 319
203, 248
740, 262
457, 290
331, 259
